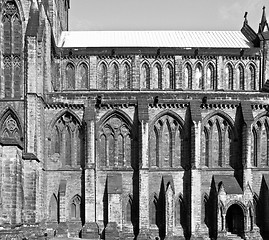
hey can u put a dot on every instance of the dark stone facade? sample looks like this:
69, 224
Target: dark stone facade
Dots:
129, 143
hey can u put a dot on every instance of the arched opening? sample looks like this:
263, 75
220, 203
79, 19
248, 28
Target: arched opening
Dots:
235, 220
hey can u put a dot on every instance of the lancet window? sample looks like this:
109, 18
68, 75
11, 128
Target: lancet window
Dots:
102, 76
188, 76
169, 82
210, 75
70, 76
75, 208
126, 80
115, 143
252, 77
114, 81
241, 77
128, 214
12, 50
166, 143
199, 76
217, 143
157, 76
229, 76
67, 140
83, 76
145, 76
260, 143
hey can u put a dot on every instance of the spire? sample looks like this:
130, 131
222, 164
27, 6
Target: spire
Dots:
33, 23
263, 26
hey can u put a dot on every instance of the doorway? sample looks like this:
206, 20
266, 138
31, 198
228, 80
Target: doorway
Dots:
235, 220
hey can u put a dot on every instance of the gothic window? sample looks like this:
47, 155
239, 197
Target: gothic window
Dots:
153, 211
210, 75
168, 77
241, 77
102, 76
75, 208
115, 143
145, 76
70, 76
114, 84
229, 76
53, 209
67, 140
260, 143
83, 76
216, 143
128, 214
252, 77
157, 76
188, 76
198, 76
126, 80
165, 143
12, 50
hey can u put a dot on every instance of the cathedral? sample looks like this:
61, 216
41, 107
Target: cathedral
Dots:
131, 135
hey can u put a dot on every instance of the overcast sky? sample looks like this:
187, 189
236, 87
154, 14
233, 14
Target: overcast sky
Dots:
165, 14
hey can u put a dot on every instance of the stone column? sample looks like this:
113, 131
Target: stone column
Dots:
90, 230
143, 169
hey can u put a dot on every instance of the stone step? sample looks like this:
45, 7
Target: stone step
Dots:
232, 236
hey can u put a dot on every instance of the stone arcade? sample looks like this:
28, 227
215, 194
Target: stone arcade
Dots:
131, 134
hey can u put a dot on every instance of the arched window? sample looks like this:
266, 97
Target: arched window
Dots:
145, 76
126, 80
168, 77
210, 76
252, 76
229, 76
129, 210
254, 149
66, 140
83, 76
166, 143
53, 209
153, 211
157, 76
188, 76
115, 143
198, 76
114, 84
70, 76
241, 77
102, 76
217, 145
75, 208
12, 50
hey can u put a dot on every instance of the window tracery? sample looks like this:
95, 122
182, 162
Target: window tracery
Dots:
75, 208
115, 143
216, 143
66, 138
12, 50
166, 143
260, 143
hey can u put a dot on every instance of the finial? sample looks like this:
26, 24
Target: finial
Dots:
246, 18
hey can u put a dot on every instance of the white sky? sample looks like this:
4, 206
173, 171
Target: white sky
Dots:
165, 14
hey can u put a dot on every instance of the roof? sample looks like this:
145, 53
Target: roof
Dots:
229, 183
178, 39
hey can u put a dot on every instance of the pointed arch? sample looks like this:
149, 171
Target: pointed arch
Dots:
210, 76
10, 127
157, 76
102, 76
114, 79
199, 83
75, 208
126, 80
54, 209
153, 210
83, 75
145, 76
169, 82
229, 76
252, 76
188, 76
129, 210
241, 76
70, 76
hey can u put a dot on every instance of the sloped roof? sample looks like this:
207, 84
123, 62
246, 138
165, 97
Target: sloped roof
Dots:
178, 39
230, 184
